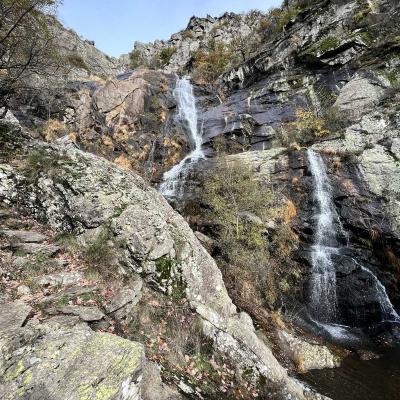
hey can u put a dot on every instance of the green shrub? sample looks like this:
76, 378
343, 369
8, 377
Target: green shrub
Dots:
306, 128
101, 254
231, 192
166, 55
77, 61
252, 259
136, 59
42, 161
169, 277
238, 205
38, 264
277, 20
328, 43
209, 64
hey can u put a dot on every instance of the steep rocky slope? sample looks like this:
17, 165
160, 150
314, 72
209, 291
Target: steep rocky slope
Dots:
83, 56
198, 33
328, 79
80, 193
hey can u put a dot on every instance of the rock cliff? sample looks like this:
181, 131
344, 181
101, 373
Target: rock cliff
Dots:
324, 75
76, 192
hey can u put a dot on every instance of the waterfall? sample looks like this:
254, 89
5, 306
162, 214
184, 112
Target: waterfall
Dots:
173, 179
387, 309
323, 302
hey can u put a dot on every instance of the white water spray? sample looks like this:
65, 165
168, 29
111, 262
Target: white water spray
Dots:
173, 179
387, 309
323, 275
323, 302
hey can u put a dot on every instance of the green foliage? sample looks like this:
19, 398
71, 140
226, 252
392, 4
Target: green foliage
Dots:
232, 193
365, 8
101, 254
63, 301
136, 59
67, 241
42, 161
173, 335
328, 43
169, 277
160, 60
77, 61
305, 128
332, 119
166, 55
212, 62
251, 259
120, 209
394, 78
277, 20
36, 265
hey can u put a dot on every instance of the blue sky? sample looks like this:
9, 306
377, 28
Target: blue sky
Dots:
116, 25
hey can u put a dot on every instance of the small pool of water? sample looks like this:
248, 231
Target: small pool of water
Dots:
377, 379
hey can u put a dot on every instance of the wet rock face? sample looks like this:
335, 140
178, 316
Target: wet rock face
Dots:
324, 35
325, 58
361, 255
248, 118
366, 238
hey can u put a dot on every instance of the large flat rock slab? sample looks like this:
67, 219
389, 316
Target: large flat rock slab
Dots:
23, 236
56, 361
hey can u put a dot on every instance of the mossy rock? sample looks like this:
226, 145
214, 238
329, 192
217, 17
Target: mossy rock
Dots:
70, 363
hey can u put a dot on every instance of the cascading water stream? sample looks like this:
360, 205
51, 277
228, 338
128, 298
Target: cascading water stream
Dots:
323, 301
387, 309
174, 178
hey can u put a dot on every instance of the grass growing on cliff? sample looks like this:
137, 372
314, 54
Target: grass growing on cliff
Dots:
327, 44
53, 129
99, 253
211, 62
136, 59
236, 203
42, 161
77, 61
169, 277
160, 60
304, 129
277, 19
